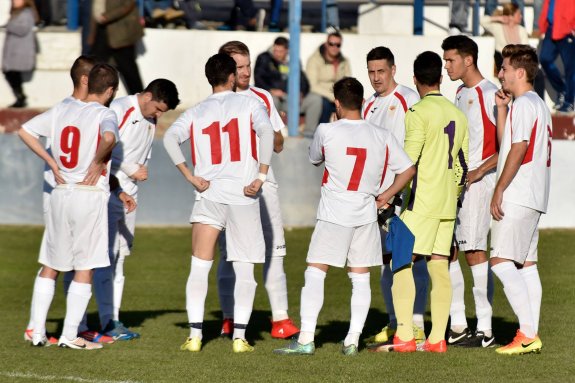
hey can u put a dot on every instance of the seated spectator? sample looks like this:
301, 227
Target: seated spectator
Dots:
324, 68
272, 72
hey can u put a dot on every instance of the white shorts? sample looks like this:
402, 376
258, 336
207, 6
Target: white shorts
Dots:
121, 226
474, 216
272, 222
333, 245
242, 224
515, 237
77, 229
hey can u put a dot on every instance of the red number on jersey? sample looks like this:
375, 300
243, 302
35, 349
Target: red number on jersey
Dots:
70, 145
361, 154
550, 135
213, 130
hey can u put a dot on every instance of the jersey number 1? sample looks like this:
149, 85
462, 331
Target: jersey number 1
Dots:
213, 130
70, 145
450, 131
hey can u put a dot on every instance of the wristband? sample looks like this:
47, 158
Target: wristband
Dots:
262, 177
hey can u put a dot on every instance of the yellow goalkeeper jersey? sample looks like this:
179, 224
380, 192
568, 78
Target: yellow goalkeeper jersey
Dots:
436, 140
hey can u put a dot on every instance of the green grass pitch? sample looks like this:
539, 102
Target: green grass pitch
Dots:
154, 305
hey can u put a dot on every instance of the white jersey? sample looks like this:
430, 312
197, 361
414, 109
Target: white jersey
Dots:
357, 155
222, 130
389, 112
74, 132
528, 120
277, 123
478, 105
135, 146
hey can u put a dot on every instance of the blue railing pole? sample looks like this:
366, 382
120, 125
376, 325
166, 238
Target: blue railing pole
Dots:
73, 14
475, 27
418, 17
323, 25
294, 67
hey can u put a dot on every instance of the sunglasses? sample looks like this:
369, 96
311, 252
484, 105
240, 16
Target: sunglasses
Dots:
334, 44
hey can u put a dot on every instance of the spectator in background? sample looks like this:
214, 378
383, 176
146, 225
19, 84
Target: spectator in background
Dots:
324, 68
114, 33
20, 48
460, 14
244, 16
557, 21
272, 72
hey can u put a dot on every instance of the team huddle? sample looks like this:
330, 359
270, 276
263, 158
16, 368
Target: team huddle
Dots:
446, 169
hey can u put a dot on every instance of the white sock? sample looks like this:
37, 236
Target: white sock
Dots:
351, 338
77, 301
244, 294
104, 293
421, 279
385, 284
517, 295
483, 309
531, 278
42, 299
226, 280
360, 302
31, 320
276, 285
457, 310
311, 302
119, 280
196, 292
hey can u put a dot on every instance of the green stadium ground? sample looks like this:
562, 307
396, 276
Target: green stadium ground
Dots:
155, 306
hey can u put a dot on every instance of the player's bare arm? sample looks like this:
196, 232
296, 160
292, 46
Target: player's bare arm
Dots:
199, 183
512, 164
36, 146
397, 186
141, 174
502, 100
477, 174
278, 142
128, 201
253, 188
101, 158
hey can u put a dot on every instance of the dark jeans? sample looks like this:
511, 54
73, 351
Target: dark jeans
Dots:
14, 79
565, 48
327, 109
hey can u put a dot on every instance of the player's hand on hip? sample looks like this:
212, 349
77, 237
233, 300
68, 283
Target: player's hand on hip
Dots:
128, 201
473, 176
94, 172
496, 202
200, 184
141, 174
58, 177
252, 189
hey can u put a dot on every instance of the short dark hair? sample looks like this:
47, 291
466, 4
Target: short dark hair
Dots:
165, 91
218, 69
427, 68
463, 45
81, 67
522, 56
234, 47
381, 53
349, 92
101, 77
282, 41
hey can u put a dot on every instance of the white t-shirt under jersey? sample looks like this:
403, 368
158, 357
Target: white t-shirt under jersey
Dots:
136, 138
528, 120
74, 132
478, 105
222, 130
357, 155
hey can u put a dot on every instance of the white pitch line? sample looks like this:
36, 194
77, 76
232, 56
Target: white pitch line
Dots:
27, 375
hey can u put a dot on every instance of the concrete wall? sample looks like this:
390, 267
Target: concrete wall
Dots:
166, 199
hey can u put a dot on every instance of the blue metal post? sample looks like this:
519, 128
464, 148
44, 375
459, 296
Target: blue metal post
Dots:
73, 14
475, 27
294, 69
323, 25
418, 17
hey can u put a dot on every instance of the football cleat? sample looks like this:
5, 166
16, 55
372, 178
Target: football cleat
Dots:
439, 347
284, 329
478, 339
350, 350
96, 337
296, 348
383, 336
192, 344
78, 344
456, 338
118, 331
29, 333
227, 328
418, 334
394, 345
521, 345
40, 341
241, 345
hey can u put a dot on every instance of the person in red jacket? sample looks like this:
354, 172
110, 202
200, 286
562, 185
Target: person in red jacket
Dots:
557, 21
